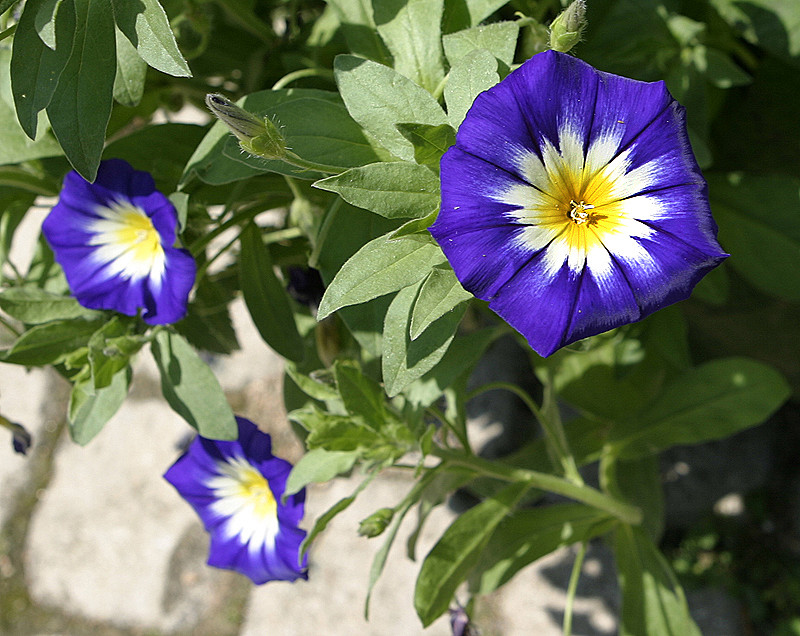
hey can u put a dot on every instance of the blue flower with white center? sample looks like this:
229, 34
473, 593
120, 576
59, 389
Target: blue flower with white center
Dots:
114, 240
572, 202
237, 488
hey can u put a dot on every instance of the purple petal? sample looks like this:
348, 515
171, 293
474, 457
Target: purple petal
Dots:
102, 263
261, 547
572, 202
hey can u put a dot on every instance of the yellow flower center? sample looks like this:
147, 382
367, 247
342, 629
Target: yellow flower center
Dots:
580, 203
127, 241
254, 488
137, 232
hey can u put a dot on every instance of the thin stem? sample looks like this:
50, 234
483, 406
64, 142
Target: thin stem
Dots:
558, 485
299, 74
298, 162
432, 410
200, 244
550, 421
8, 326
572, 588
554, 431
201, 271
439, 90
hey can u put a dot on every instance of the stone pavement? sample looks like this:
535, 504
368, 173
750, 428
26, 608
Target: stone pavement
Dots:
94, 541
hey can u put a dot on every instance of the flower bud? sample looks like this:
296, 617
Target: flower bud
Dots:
567, 28
21, 438
376, 523
257, 135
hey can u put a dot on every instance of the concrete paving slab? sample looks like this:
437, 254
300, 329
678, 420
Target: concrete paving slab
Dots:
106, 527
22, 394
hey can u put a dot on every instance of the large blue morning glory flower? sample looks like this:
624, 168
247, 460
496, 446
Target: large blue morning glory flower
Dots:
114, 240
572, 202
237, 489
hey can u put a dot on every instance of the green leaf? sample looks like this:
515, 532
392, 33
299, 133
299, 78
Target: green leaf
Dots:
35, 306
499, 38
639, 482
412, 31
773, 24
314, 387
35, 68
405, 360
712, 401
131, 71
430, 142
241, 11
380, 267
460, 14
379, 98
90, 409
29, 180
45, 21
440, 293
757, 225
266, 298
528, 535
361, 394
318, 466
175, 142
208, 324
81, 103
190, 388
360, 32
110, 349
721, 70
460, 357
416, 226
146, 25
652, 599
51, 342
458, 550
394, 189
325, 518
316, 127
470, 76
334, 432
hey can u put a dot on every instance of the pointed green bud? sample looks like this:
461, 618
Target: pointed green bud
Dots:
257, 135
376, 523
567, 28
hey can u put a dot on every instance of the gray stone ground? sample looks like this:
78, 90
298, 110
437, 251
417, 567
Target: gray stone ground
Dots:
94, 541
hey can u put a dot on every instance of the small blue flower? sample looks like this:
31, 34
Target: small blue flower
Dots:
114, 240
572, 202
236, 488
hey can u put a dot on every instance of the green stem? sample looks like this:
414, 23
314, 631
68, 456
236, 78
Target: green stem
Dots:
8, 326
432, 410
439, 90
245, 215
572, 588
554, 431
551, 483
299, 74
550, 421
298, 162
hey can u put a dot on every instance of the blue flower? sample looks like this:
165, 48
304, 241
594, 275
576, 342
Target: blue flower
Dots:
572, 202
236, 488
114, 240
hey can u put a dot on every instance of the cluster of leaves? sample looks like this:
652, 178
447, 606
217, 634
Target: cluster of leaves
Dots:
377, 371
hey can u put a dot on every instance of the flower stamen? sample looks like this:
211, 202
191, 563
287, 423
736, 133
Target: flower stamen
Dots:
579, 212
